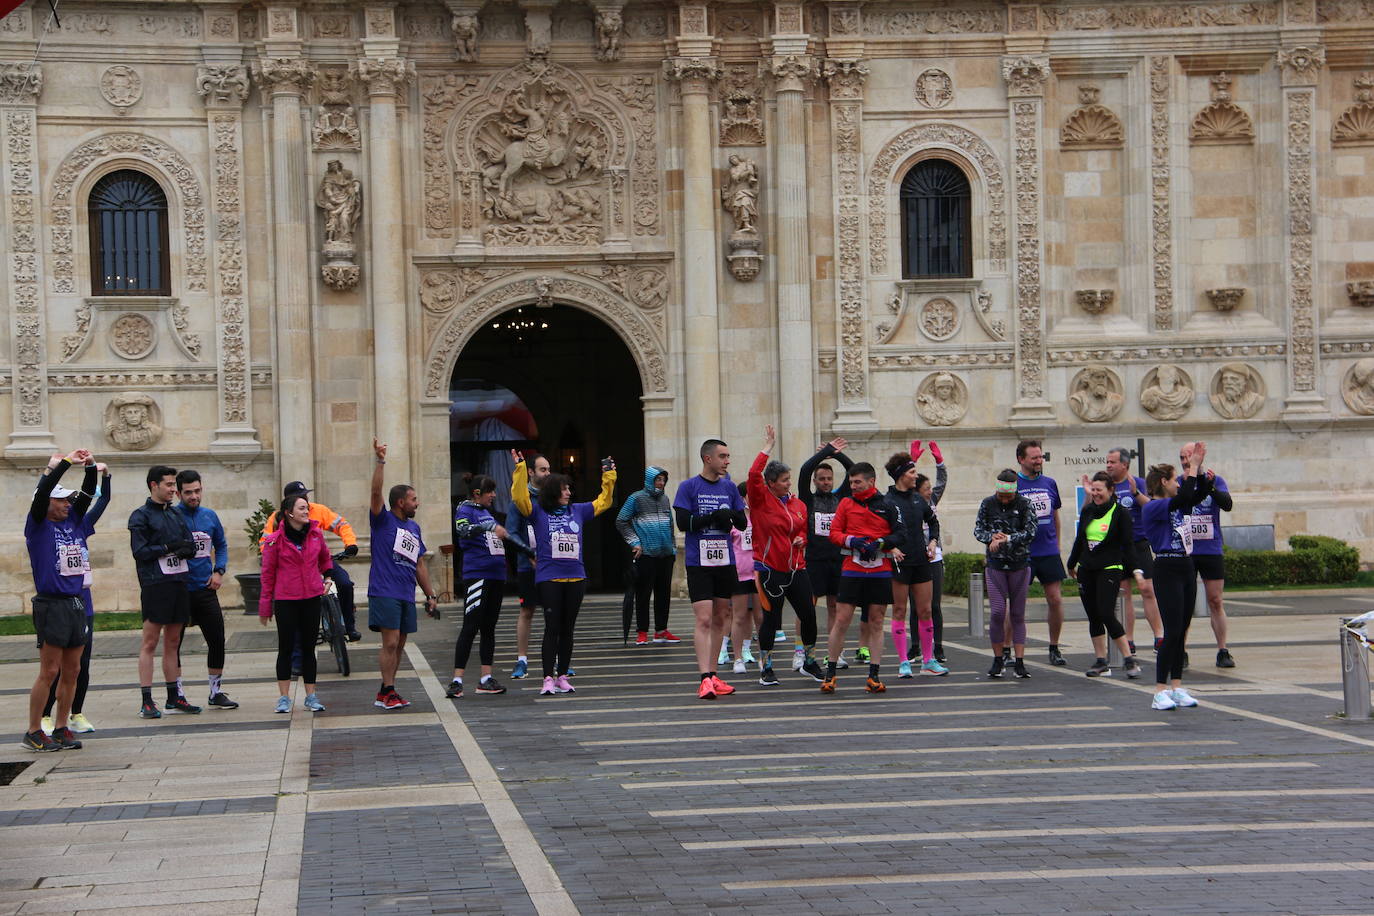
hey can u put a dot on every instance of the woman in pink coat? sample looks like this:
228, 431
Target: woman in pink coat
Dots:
294, 559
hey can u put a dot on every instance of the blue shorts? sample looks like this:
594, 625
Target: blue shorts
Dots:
391, 614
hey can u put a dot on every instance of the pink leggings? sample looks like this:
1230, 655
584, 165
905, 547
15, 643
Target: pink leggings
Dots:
1007, 591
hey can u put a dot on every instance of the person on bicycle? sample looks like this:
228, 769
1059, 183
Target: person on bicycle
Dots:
295, 561
330, 521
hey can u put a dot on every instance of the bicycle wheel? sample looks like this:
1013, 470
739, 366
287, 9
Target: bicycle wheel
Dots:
338, 638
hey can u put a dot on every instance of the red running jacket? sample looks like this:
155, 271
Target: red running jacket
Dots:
776, 522
867, 514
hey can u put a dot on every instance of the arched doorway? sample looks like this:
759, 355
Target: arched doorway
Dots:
559, 380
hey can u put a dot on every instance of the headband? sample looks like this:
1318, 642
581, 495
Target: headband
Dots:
1006, 486
898, 472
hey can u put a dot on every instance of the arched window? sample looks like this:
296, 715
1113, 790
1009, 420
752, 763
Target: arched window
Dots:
128, 217
936, 223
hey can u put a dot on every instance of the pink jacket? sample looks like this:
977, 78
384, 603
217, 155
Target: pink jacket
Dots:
289, 573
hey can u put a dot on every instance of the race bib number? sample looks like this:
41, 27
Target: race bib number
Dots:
495, 546
748, 538
714, 552
868, 564
172, 565
1202, 528
407, 545
202, 544
1041, 502
71, 560
823, 520
1185, 534
566, 546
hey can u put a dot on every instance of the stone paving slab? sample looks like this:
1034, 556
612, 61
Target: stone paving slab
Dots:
356, 758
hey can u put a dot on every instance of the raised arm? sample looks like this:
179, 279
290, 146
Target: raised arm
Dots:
1220, 494
82, 503
376, 504
103, 501
520, 485
606, 497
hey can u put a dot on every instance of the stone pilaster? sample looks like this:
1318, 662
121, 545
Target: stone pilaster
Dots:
1026, 78
694, 76
20, 85
1300, 67
283, 81
854, 412
385, 79
1161, 194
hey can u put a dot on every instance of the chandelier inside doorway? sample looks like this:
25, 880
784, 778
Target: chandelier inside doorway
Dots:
520, 332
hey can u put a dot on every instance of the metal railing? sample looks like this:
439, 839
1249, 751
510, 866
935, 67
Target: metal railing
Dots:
1354, 671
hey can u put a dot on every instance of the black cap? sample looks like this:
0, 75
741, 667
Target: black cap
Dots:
295, 488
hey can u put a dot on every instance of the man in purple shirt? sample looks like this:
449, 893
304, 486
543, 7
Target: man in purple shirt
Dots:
1132, 496
1209, 562
1046, 565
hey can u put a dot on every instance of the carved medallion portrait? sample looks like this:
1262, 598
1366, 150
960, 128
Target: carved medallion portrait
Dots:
1095, 394
942, 399
1166, 392
1237, 391
133, 422
1357, 388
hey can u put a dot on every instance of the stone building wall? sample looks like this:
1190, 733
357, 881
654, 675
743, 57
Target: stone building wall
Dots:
1177, 185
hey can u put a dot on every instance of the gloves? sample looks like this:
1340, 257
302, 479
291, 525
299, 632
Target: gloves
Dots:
722, 518
917, 450
352, 549
740, 520
935, 452
185, 549
866, 548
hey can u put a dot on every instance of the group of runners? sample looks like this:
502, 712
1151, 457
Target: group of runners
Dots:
751, 549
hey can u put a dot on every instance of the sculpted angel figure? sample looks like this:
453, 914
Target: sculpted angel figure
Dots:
341, 198
741, 196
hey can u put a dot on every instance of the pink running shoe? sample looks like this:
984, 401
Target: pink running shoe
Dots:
547, 690
563, 685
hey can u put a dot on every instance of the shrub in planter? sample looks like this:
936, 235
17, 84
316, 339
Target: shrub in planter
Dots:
958, 566
250, 584
1313, 560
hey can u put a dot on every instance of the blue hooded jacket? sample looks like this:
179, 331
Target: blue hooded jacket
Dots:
646, 519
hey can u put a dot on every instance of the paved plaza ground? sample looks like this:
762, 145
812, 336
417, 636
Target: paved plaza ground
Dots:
1057, 794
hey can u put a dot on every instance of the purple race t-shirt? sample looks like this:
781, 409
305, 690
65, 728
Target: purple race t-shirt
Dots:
1132, 505
1206, 522
560, 539
396, 550
699, 496
1043, 494
57, 553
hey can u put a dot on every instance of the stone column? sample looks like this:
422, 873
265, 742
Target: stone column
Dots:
30, 436
223, 86
699, 250
1026, 77
384, 78
1300, 67
284, 80
796, 351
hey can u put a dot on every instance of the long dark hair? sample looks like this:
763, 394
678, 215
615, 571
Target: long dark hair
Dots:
287, 505
551, 491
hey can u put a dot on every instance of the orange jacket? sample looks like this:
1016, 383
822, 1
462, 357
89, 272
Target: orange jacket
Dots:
326, 518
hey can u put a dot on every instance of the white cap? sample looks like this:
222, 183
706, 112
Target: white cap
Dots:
61, 492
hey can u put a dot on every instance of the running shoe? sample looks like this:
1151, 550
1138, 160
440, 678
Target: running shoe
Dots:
454, 691
862, 655
721, 688
1006, 655
873, 685
933, 668
521, 669
1182, 697
1132, 668
1019, 669
1163, 700
998, 664
739, 666
182, 706
723, 658
46, 725
66, 738
904, 670
490, 685
1057, 657
663, 636
705, 692
38, 741
642, 639
798, 659
80, 724
828, 685
149, 710
1224, 659
1099, 668
547, 689
221, 701
354, 636
390, 700
283, 704
749, 657
312, 703
841, 662
768, 678
812, 667
780, 636
940, 656
563, 685
571, 672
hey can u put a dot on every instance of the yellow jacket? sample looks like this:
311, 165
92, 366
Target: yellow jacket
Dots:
520, 491
329, 521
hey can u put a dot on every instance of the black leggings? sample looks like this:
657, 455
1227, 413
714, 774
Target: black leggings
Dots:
83, 680
937, 617
653, 574
206, 614
481, 610
1175, 593
775, 587
1097, 589
297, 620
561, 601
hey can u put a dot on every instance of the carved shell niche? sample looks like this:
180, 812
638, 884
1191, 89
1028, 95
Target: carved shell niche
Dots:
1222, 121
1355, 126
1092, 127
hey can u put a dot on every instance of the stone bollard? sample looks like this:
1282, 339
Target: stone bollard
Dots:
976, 626
1354, 674
1114, 658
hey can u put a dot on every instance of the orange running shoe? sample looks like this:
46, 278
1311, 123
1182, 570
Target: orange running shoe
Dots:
828, 685
721, 688
707, 690
876, 686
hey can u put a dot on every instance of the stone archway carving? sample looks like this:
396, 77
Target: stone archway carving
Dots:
138, 149
454, 332
970, 147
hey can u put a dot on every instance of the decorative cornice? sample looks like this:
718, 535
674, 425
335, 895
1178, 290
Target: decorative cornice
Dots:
20, 84
385, 75
1301, 64
1025, 76
222, 85
845, 78
284, 75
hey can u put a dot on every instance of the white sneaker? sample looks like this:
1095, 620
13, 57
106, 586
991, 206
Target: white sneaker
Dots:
1182, 697
1163, 700
798, 659
841, 662
739, 666
46, 725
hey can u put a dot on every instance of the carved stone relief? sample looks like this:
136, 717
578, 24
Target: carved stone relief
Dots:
222, 85
1237, 391
441, 96
132, 336
939, 318
1360, 293
1092, 125
1299, 103
1226, 298
741, 122
1221, 120
1345, 11
340, 197
609, 28
846, 80
1161, 225
1134, 16
465, 32
20, 84
1355, 126
336, 125
121, 86
1357, 387
905, 21
133, 422
649, 288
942, 399
646, 23
332, 25
740, 198
235, 404
1096, 394
934, 88
1025, 77
1166, 392
1094, 301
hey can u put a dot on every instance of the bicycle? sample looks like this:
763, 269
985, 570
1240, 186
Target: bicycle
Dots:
332, 630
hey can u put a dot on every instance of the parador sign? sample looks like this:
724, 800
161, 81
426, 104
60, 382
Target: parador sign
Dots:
1093, 455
